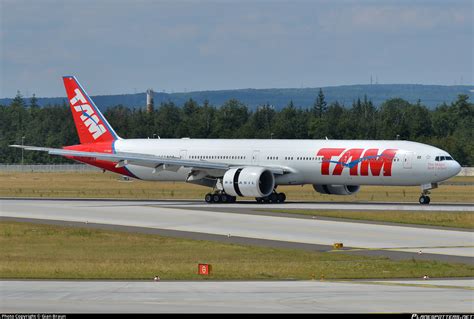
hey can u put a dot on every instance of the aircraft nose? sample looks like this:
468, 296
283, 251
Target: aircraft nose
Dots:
456, 168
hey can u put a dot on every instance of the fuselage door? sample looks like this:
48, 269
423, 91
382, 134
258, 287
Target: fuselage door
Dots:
182, 154
255, 155
408, 160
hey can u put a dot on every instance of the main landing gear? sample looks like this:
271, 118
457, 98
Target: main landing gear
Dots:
219, 197
272, 198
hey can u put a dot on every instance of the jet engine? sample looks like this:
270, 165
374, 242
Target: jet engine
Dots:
337, 189
249, 181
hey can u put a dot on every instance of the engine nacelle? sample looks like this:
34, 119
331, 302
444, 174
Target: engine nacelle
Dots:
337, 189
249, 181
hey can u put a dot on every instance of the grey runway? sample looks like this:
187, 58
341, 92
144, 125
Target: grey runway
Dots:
166, 215
337, 206
242, 297
246, 204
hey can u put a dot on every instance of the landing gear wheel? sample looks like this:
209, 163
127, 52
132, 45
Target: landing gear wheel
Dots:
273, 197
224, 198
424, 200
219, 197
216, 198
281, 197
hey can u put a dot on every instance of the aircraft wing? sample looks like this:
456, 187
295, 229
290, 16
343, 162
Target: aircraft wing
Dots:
146, 160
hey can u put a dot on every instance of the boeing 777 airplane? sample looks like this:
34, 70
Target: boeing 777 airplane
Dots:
252, 168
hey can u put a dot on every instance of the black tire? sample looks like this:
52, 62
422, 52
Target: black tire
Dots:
273, 197
428, 200
216, 198
259, 200
281, 197
208, 198
423, 200
225, 198
233, 199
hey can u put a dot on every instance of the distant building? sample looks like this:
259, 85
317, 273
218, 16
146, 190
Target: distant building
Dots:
149, 101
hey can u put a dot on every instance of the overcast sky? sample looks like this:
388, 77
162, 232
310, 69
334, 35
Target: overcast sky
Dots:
128, 46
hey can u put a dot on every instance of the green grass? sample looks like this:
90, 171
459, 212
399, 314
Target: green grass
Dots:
109, 185
432, 218
53, 252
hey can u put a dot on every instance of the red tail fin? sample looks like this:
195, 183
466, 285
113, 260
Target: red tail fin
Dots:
91, 125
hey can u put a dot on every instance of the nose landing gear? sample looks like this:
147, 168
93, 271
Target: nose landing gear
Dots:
424, 200
425, 190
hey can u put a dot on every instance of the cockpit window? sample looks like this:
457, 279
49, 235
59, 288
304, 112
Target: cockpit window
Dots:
443, 158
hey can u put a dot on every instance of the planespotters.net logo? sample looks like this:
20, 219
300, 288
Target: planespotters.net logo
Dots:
454, 316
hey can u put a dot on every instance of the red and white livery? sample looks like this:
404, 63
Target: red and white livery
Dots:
253, 168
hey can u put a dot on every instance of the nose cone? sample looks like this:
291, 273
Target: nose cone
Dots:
455, 168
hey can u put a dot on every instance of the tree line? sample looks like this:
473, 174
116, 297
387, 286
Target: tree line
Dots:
448, 126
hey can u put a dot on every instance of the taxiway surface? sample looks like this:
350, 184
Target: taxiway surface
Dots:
241, 297
190, 217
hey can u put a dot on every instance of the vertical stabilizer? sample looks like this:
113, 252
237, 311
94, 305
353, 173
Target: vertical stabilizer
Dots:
91, 125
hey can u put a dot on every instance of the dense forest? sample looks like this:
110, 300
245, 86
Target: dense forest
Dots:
448, 126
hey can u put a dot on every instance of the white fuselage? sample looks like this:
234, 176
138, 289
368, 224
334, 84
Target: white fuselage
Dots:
352, 161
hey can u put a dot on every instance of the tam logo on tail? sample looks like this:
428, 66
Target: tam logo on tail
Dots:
88, 117
90, 123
